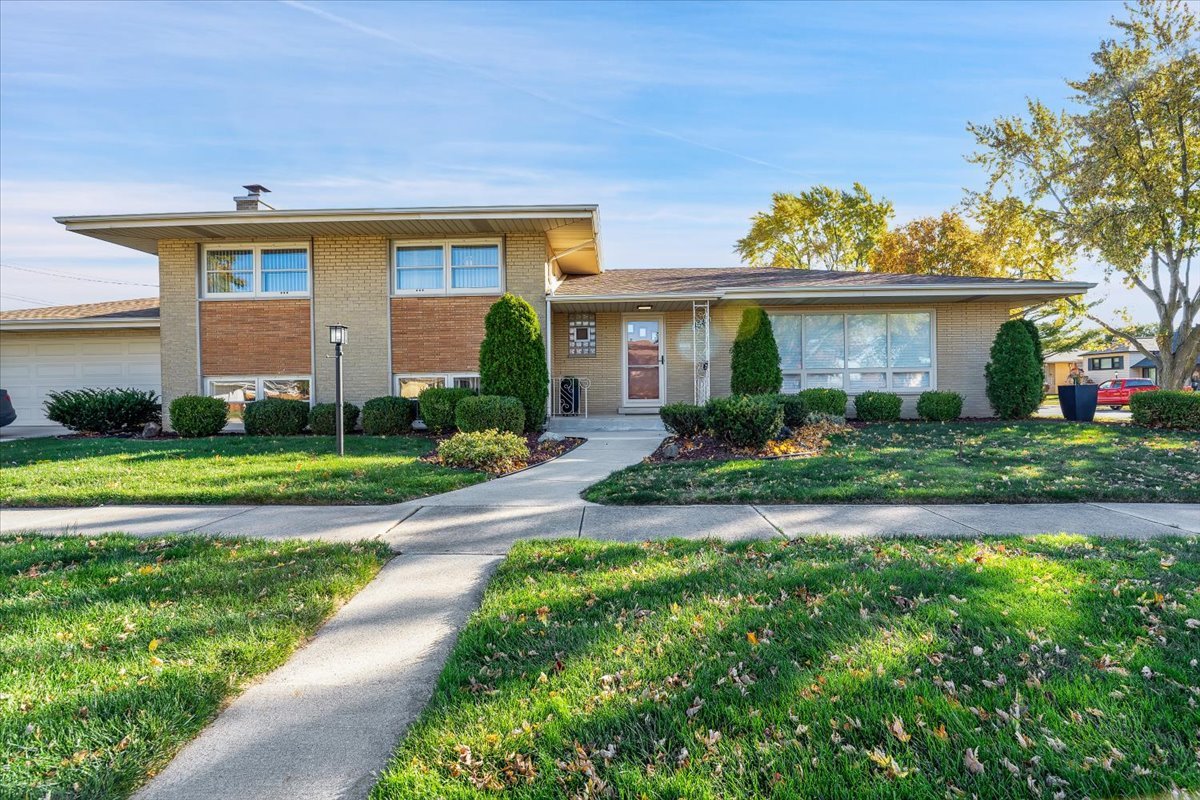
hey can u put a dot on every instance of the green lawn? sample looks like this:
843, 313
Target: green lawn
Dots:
1004, 668
116, 651
966, 462
223, 469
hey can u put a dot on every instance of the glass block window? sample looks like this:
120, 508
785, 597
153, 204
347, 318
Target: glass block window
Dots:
581, 332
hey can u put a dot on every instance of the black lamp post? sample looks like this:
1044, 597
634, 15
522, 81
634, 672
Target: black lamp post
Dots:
338, 336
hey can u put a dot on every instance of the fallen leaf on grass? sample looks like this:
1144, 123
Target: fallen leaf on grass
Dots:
897, 729
972, 762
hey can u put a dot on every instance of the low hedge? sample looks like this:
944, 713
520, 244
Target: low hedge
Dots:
103, 410
683, 419
1166, 409
438, 406
878, 406
193, 416
323, 422
490, 412
939, 406
745, 420
491, 451
797, 407
275, 417
387, 416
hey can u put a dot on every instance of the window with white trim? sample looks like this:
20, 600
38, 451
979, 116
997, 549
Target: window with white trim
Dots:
256, 270
237, 391
856, 352
471, 267
411, 385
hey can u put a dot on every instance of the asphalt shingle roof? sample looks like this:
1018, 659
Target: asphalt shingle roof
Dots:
689, 280
141, 308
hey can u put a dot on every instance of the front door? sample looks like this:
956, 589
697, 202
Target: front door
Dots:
643, 361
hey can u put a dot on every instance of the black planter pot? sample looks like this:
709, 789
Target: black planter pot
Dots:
1078, 403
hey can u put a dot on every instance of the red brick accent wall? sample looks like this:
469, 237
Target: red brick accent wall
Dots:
437, 334
255, 337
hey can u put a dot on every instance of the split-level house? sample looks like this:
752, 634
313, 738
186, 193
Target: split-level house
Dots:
247, 295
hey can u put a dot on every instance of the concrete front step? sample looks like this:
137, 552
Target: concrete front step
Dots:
607, 423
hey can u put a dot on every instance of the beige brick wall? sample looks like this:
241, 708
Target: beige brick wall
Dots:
526, 260
350, 285
964, 333
179, 315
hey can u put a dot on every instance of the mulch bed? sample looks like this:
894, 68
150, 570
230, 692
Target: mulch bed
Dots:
805, 442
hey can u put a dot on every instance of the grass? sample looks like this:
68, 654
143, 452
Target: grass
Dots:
224, 469
965, 462
820, 668
116, 651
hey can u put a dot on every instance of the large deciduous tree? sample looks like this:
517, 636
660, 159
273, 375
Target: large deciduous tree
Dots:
821, 228
944, 245
1116, 177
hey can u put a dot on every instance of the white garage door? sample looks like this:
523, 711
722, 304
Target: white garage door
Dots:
34, 363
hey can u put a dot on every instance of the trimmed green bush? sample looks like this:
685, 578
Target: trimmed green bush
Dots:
275, 417
878, 406
193, 416
387, 416
745, 420
103, 410
939, 406
438, 406
754, 357
512, 358
322, 422
1166, 409
489, 412
797, 407
1036, 335
490, 451
1014, 374
683, 419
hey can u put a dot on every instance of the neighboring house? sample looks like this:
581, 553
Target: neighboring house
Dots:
1058, 368
1120, 361
71, 347
247, 296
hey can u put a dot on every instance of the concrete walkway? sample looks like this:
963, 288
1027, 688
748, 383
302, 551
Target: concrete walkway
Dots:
325, 723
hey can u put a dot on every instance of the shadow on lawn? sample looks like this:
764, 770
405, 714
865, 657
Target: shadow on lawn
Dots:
801, 674
103, 704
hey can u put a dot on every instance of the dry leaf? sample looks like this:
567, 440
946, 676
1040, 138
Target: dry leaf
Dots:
972, 762
897, 729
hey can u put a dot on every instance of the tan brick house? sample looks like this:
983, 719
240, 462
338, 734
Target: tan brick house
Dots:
247, 295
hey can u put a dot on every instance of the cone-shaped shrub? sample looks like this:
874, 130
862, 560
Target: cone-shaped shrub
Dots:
755, 356
512, 358
1014, 375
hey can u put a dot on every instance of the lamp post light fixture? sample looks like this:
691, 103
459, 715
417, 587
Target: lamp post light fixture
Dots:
338, 336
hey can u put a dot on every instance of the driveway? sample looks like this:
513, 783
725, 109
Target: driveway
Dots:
11, 433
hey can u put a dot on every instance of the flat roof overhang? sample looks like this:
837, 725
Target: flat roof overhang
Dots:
573, 232
1021, 295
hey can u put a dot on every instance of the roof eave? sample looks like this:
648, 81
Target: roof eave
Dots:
325, 214
1064, 289
77, 324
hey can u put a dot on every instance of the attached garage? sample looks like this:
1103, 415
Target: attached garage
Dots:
96, 345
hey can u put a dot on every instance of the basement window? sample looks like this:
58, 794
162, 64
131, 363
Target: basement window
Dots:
238, 391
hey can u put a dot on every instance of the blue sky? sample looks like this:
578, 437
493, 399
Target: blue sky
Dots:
680, 120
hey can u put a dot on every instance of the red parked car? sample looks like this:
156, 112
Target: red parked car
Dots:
1115, 394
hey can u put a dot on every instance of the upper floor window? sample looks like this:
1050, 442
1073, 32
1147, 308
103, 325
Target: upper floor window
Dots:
256, 270
446, 268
